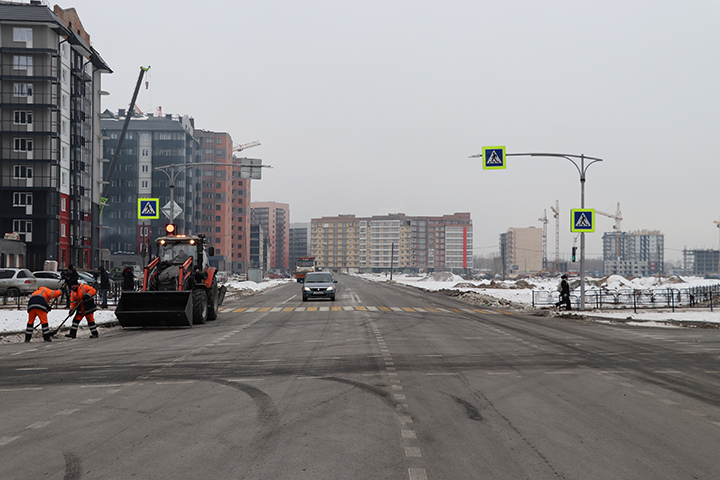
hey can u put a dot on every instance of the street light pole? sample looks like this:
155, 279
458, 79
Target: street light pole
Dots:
582, 170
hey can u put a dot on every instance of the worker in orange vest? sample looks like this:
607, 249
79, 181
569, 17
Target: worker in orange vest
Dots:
82, 301
38, 307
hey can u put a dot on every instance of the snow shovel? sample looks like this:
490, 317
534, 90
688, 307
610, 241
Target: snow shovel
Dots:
54, 332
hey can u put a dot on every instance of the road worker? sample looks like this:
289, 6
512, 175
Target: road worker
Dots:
38, 307
83, 303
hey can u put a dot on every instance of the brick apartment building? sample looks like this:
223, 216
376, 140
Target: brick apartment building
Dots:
274, 219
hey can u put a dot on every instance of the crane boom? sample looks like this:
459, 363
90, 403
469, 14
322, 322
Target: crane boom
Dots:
617, 217
245, 146
116, 154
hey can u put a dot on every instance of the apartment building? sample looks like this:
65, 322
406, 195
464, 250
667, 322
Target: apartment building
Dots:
633, 254
50, 146
150, 142
398, 241
521, 250
701, 262
334, 243
222, 211
299, 242
274, 218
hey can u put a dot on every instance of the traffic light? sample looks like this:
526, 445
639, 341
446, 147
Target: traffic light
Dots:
171, 228
573, 253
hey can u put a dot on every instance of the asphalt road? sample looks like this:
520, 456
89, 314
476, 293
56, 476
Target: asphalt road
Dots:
387, 382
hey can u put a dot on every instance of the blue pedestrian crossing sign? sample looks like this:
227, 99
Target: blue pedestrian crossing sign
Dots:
148, 208
583, 220
493, 158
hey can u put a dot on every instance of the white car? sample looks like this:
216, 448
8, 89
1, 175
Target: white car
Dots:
17, 281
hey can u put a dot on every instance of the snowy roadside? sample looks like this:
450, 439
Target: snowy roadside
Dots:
518, 295
13, 320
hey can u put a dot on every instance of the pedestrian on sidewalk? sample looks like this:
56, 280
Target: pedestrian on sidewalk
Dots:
564, 289
104, 286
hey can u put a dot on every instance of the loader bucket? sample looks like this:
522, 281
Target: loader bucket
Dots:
155, 309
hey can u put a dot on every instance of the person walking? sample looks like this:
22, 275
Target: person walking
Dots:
83, 304
38, 307
128, 279
104, 286
564, 289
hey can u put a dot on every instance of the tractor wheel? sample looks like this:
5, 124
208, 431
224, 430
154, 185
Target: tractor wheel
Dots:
200, 303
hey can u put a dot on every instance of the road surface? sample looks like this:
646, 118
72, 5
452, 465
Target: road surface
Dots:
387, 382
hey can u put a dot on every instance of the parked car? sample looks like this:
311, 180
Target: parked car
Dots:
222, 277
89, 278
17, 281
49, 279
319, 285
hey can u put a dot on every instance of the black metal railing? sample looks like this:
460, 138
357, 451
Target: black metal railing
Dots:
625, 298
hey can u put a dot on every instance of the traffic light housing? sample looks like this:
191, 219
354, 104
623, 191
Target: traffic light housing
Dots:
574, 249
171, 230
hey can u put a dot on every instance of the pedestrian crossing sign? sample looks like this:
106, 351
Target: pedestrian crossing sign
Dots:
583, 220
493, 158
148, 208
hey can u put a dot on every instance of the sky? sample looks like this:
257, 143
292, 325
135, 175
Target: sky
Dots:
373, 107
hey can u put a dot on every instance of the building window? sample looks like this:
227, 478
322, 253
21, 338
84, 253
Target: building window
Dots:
23, 145
22, 226
63, 230
22, 35
23, 117
22, 199
63, 205
22, 89
22, 62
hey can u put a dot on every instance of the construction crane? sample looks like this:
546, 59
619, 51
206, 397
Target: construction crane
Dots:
544, 221
556, 214
245, 146
618, 219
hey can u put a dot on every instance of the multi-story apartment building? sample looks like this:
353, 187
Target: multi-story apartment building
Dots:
521, 250
222, 211
274, 219
334, 243
385, 242
50, 170
701, 262
150, 142
347, 243
299, 242
633, 254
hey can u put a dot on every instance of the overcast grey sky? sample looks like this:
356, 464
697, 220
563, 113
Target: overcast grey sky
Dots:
372, 107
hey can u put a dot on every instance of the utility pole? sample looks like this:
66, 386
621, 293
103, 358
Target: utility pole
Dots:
544, 221
556, 214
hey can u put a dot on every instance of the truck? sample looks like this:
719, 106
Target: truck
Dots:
303, 265
180, 288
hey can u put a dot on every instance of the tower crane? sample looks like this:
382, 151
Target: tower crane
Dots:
617, 217
544, 221
556, 214
245, 146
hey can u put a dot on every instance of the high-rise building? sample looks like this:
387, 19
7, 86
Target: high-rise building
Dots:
299, 242
633, 254
150, 142
222, 211
334, 243
274, 218
50, 145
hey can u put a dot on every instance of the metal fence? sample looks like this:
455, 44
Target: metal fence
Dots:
705, 296
20, 302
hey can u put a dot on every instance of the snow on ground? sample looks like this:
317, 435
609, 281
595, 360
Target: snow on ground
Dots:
520, 292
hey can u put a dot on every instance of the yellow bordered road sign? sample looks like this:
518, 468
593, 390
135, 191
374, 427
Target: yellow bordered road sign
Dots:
493, 158
148, 208
582, 220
